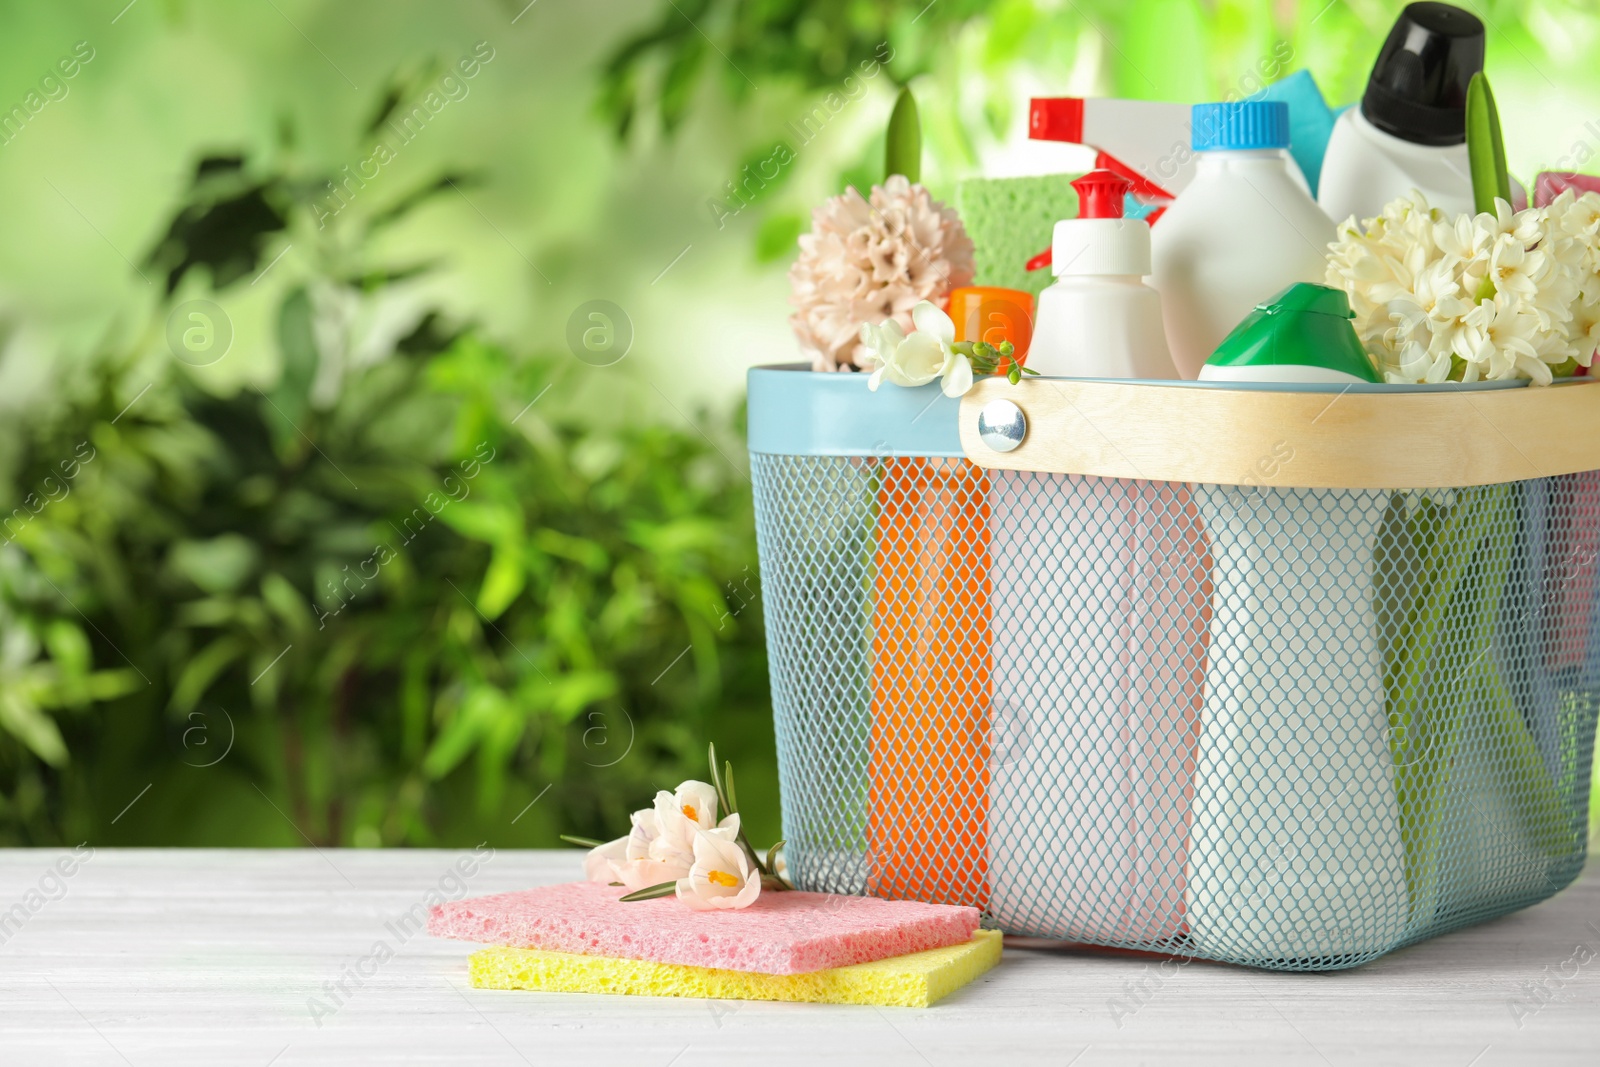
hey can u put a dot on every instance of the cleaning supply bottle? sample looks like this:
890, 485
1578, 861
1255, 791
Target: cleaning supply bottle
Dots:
1243, 229
1146, 141
1296, 849
1410, 129
1302, 334
994, 315
1099, 319
1099, 614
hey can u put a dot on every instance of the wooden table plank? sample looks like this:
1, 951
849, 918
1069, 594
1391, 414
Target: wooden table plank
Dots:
168, 957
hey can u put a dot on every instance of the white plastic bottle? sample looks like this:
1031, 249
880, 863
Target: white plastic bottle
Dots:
1295, 851
1244, 229
1098, 632
1410, 129
1099, 319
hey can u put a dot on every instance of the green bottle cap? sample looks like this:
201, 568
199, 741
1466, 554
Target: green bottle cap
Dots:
1306, 327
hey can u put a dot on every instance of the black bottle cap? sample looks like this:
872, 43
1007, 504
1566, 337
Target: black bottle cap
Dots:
1418, 88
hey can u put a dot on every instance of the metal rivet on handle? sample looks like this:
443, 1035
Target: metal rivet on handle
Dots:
1002, 425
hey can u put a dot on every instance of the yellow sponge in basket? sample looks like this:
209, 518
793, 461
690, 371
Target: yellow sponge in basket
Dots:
914, 980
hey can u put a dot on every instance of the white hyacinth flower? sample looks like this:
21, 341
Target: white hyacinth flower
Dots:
1493, 296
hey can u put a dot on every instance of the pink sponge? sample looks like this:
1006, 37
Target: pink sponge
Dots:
781, 933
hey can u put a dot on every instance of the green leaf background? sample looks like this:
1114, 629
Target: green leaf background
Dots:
563, 639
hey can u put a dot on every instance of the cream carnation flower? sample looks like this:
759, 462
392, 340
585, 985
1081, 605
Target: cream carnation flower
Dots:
870, 260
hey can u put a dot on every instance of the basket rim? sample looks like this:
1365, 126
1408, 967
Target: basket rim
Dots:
1381, 437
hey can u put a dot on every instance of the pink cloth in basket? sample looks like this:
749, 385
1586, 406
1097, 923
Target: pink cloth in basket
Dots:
1552, 183
781, 933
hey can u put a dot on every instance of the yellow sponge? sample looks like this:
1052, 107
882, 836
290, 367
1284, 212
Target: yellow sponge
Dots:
915, 980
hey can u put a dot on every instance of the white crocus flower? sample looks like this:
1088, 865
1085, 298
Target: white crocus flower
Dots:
649, 857
603, 863
690, 807
722, 877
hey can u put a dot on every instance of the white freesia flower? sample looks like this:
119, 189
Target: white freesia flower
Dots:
918, 358
1508, 294
722, 876
882, 342
955, 377
909, 360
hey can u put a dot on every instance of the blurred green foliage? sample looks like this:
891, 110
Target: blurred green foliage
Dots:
399, 596
218, 522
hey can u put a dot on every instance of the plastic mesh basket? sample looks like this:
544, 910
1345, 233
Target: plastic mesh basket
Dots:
1294, 728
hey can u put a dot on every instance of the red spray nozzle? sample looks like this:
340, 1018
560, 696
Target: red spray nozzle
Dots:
1056, 118
1100, 194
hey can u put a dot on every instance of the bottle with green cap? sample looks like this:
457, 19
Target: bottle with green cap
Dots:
1303, 334
1257, 876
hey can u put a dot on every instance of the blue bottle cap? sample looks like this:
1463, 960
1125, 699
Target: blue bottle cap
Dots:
1244, 124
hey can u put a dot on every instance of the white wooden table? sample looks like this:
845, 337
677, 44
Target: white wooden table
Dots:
173, 958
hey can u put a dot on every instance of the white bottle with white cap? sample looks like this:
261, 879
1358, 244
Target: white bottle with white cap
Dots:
1097, 630
1099, 319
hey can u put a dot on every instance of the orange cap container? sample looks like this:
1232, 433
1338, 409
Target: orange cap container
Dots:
991, 314
928, 772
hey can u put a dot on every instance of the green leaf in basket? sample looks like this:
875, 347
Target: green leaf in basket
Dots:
1441, 573
902, 152
1486, 152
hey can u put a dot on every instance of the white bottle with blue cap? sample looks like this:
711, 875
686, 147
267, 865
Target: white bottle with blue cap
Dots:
1245, 229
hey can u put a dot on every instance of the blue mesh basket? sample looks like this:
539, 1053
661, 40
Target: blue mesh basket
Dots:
1242, 712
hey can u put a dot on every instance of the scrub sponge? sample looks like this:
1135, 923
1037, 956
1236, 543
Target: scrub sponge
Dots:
1010, 220
781, 933
912, 981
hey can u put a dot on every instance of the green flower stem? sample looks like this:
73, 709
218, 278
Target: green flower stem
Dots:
581, 842
660, 889
1441, 613
1486, 152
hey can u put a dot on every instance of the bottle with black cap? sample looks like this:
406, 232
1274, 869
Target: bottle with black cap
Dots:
1410, 129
